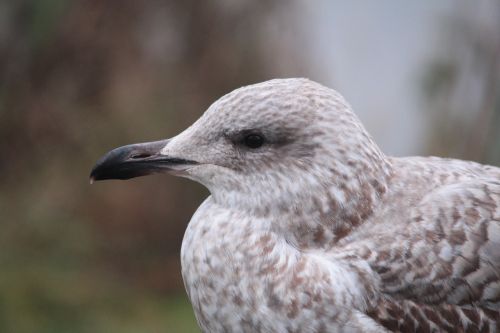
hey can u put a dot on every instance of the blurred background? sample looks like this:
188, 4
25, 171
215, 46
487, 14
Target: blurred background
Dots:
78, 78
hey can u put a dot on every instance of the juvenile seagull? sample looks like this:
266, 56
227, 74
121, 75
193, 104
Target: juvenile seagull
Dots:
311, 228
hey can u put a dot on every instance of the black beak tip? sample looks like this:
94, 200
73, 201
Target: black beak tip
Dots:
109, 165
94, 174
130, 161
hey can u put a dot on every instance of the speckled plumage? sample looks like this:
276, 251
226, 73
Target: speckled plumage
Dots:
319, 231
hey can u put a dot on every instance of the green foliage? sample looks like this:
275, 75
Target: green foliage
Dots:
50, 282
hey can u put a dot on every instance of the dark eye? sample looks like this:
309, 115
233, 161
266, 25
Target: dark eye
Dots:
253, 141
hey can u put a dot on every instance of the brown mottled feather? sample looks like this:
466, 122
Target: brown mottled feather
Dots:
447, 277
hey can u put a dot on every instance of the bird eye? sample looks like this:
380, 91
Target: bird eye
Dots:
253, 141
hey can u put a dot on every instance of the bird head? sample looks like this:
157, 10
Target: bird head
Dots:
278, 141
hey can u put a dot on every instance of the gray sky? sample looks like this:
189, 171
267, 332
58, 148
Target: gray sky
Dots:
374, 52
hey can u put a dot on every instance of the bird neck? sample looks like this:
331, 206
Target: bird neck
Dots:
333, 212
308, 210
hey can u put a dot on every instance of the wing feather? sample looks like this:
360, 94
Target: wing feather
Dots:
453, 252
409, 316
443, 272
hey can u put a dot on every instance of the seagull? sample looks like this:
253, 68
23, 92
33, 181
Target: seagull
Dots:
310, 227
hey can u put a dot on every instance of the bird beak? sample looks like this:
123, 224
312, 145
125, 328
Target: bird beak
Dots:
136, 160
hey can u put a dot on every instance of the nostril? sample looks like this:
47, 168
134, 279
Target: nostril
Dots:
139, 156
